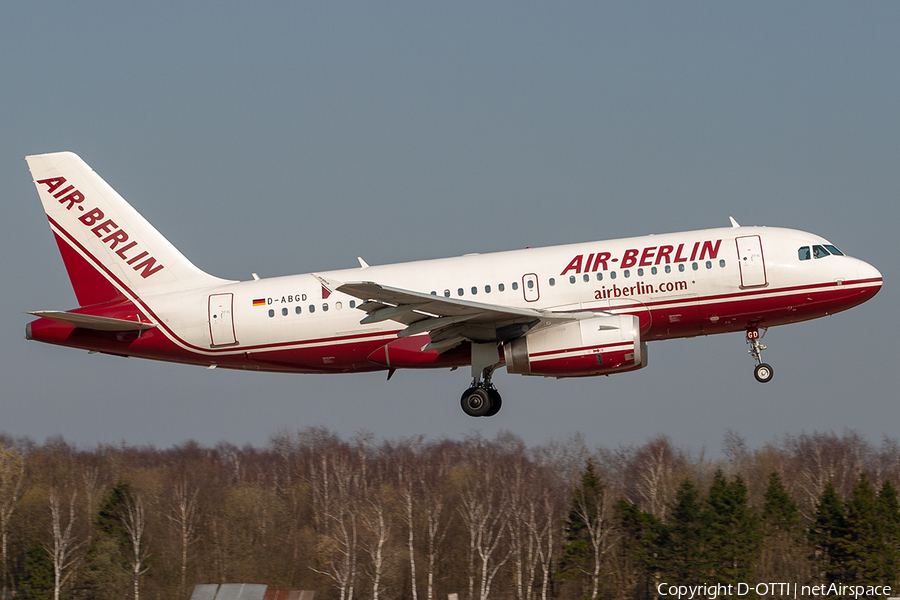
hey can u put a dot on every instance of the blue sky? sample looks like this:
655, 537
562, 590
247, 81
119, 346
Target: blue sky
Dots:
289, 137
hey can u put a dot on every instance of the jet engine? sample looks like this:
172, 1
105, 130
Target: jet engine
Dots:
594, 346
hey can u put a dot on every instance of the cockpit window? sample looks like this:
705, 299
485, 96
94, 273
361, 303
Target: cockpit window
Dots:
803, 253
833, 250
820, 251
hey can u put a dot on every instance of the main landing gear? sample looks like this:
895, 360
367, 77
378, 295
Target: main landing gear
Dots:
763, 372
482, 399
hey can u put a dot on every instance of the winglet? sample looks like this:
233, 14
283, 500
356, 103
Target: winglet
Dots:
733, 222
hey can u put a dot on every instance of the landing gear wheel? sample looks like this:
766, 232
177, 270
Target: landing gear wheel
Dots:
496, 402
476, 402
763, 373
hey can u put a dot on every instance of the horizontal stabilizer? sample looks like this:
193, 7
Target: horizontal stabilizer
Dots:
92, 321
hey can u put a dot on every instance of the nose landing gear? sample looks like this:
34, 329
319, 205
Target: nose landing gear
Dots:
762, 372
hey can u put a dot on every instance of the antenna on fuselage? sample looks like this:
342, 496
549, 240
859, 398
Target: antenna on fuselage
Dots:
733, 222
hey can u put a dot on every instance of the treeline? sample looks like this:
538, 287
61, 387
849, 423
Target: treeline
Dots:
417, 519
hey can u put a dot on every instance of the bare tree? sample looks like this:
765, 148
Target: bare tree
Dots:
406, 461
591, 506
655, 467
519, 480
824, 457
62, 548
433, 502
376, 522
134, 523
377, 505
533, 525
90, 477
12, 474
483, 507
335, 497
183, 514
544, 531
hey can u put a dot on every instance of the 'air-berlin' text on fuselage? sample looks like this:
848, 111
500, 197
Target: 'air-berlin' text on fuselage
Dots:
646, 257
106, 229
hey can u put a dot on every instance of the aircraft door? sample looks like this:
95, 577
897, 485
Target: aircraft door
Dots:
750, 259
530, 287
221, 321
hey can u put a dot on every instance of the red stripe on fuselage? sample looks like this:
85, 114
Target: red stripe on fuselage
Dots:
735, 311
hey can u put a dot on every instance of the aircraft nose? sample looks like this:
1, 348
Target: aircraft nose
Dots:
867, 272
870, 278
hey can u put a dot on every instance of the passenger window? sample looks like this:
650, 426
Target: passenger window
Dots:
552, 281
515, 285
833, 250
530, 284
803, 253
612, 274
819, 252
586, 277
446, 293
681, 268
324, 307
640, 272
501, 287
709, 264
474, 290
353, 304
487, 289
626, 273
599, 276
571, 279
283, 312
271, 313
460, 292
312, 308
722, 263
433, 293
653, 270
338, 305
668, 268
695, 266
297, 310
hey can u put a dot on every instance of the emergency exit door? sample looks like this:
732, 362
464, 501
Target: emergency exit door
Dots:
221, 321
750, 259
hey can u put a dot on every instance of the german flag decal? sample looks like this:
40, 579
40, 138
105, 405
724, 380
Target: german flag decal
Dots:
259, 302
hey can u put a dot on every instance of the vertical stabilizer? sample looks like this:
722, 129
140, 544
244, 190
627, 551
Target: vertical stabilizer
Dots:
110, 251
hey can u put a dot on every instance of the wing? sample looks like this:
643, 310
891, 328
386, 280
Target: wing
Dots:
448, 321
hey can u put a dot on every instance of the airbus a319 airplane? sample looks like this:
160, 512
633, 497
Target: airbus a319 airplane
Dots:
577, 310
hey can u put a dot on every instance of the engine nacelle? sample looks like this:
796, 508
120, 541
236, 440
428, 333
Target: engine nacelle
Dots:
596, 346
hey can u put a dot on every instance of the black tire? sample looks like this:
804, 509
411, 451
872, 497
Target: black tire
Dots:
763, 373
475, 402
496, 403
